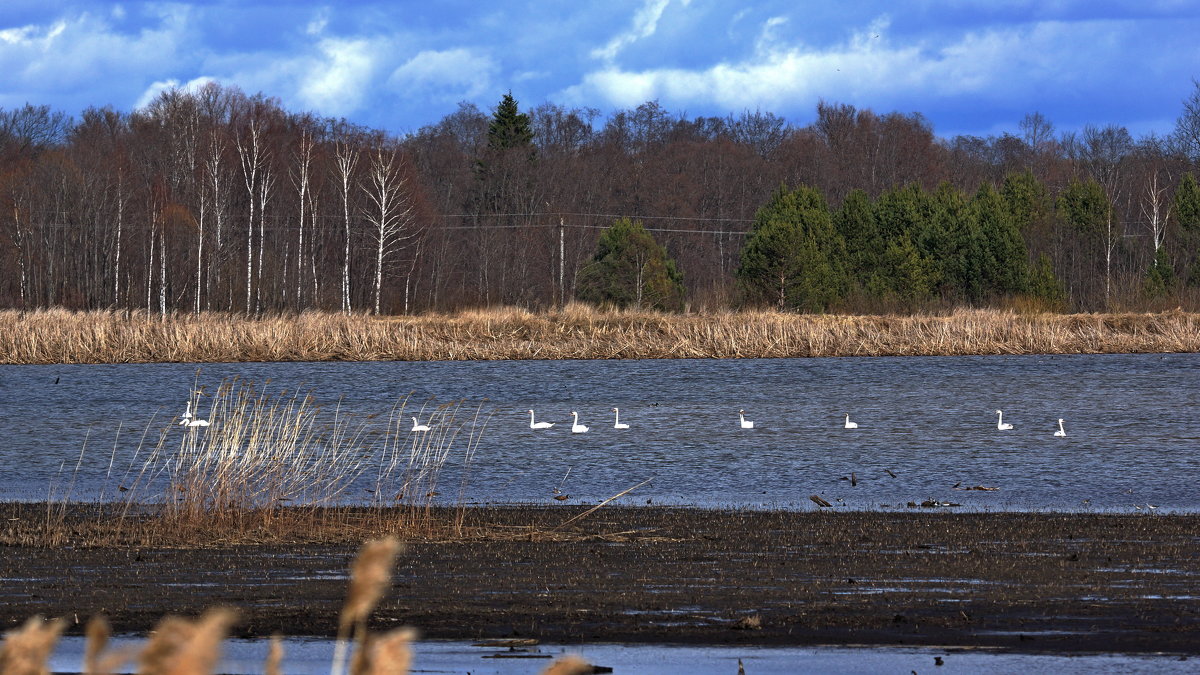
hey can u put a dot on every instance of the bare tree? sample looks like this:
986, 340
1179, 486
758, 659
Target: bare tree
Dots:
251, 149
301, 175
1187, 126
345, 160
1156, 209
390, 210
1103, 153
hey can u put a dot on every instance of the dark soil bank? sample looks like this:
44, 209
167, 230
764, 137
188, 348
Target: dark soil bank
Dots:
1036, 582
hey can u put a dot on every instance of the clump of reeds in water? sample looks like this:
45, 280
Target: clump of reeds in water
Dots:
263, 457
180, 646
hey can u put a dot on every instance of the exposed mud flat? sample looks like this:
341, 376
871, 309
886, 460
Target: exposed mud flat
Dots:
1031, 582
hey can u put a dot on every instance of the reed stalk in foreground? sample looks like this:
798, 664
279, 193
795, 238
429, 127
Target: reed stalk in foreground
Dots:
576, 332
370, 576
26, 651
180, 646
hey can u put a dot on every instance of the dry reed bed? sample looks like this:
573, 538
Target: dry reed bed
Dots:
576, 332
241, 462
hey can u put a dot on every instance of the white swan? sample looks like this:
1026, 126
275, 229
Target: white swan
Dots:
576, 427
849, 424
538, 425
1061, 431
187, 414
195, 423
1000, 423
617, 420
746, 424
417, 426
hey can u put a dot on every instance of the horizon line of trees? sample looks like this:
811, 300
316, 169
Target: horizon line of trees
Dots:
215, 200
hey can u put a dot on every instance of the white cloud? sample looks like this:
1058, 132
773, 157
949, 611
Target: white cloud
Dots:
866, 67
318, 23
339, 77
450, 75
645, 22
159, 87
84, 56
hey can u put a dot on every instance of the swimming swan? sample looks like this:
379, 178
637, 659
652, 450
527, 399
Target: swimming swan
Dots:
1061, 431
617, 420
195, 423
849, 424
187, 415
418, 426
538, 425
576, 427
746, 424
1000, 423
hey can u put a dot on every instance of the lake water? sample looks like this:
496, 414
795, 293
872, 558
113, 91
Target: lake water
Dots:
1133, 432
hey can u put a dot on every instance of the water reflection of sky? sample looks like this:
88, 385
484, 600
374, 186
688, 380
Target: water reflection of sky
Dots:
926, 425
304, 656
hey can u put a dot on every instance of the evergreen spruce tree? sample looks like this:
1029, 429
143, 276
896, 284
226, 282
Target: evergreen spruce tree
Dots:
509, 128
630, 269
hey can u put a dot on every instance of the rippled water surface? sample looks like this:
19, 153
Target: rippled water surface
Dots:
1132, 422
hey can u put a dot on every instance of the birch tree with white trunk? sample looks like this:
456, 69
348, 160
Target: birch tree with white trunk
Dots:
389, 212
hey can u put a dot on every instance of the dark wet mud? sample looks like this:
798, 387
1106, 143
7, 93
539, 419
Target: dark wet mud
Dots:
1033, 582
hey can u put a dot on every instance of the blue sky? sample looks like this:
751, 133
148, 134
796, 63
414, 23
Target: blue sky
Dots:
973, 67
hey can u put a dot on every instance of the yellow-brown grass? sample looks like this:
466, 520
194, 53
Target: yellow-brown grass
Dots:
576, 332
275, 466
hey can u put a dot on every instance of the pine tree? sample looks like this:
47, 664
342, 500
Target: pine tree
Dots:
1187, 209
794, 258
855, 222
1027, 201
1044, 285
903, 275
907, 272
1160, 278
630, 269
952, 237
1006, 253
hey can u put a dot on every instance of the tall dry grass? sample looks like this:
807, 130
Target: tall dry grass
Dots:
180, 646
282, 464
576, 332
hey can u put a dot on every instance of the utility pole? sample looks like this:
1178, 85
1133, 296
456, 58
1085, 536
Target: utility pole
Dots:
562, 298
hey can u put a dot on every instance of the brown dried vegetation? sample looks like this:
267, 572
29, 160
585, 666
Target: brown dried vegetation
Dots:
575, 332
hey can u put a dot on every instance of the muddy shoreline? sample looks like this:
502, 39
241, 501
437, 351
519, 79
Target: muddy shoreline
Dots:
1030, 582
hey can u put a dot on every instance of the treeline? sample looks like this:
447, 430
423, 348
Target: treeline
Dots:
215, 200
